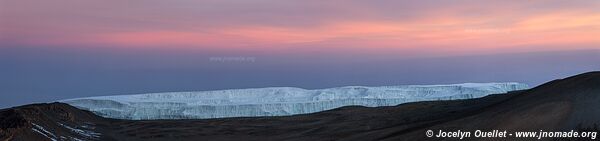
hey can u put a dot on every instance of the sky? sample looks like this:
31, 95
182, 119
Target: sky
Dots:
52, 50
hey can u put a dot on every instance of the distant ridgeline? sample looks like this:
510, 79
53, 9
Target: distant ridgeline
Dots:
275, 101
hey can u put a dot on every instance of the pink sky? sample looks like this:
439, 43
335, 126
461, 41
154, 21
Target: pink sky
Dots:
445, 28
58, 49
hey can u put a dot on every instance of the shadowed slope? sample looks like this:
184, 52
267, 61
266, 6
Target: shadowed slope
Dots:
560, 105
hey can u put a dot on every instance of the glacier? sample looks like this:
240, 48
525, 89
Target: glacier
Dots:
275, 101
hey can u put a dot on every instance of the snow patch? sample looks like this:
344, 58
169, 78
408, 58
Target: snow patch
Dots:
84, 133
39, 129
76, 139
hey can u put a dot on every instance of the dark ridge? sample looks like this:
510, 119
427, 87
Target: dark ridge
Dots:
11, 119
20, 123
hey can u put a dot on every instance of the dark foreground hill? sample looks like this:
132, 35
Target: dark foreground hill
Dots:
561, 105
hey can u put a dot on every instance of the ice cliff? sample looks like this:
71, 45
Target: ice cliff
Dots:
275, 101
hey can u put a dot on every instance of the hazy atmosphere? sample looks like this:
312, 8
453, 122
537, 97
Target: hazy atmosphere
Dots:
52, 50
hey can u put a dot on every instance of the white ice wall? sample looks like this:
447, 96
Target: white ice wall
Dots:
275, 101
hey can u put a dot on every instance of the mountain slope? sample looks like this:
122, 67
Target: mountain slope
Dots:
54, 121
560, 105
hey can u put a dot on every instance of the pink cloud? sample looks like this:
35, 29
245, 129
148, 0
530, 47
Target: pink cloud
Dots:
438, 27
